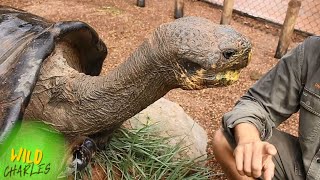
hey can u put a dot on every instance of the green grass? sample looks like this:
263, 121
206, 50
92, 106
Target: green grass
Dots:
137, 154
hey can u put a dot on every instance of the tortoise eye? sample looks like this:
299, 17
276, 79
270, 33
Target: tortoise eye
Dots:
228, 53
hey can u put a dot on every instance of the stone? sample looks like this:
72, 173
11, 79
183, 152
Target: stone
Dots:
169, 120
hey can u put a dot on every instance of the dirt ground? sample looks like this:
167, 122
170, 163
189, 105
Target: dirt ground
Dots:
123, 26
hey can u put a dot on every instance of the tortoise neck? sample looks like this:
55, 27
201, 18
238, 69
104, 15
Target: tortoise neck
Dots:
90, 104
146, 67
138, 82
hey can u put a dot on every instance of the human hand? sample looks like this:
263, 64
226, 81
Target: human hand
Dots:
254, 158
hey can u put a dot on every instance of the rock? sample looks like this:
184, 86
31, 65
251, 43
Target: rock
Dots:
170, 120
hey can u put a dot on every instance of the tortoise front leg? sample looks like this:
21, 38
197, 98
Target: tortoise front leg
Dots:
82, 150
83, 153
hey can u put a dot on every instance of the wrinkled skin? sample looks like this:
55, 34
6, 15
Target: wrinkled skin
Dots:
26, 41
59, 62
189, 53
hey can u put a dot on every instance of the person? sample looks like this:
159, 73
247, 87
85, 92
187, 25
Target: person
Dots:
249, 146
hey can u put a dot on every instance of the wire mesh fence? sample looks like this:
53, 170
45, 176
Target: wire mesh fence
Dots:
275, 11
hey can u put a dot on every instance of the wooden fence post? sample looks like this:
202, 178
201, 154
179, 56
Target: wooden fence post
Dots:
288, 28
178, 8
227, 12
141, 3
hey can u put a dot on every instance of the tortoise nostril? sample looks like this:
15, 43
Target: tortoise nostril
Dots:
228, 53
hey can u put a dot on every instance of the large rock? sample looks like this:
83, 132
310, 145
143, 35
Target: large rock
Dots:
170, 120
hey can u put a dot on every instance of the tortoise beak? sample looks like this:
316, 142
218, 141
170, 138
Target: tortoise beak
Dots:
222, 78
249, 56
227, 75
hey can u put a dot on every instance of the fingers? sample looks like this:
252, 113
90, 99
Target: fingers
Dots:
257, 160
243, 157
268, 168
238, 154
248, 151
253, 159
269, 149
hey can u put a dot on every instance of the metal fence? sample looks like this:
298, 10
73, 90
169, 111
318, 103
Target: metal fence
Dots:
275, 11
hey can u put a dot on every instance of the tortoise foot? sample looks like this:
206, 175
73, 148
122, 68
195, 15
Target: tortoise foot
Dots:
83, 153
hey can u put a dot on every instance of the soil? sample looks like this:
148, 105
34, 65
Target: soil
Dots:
123, 26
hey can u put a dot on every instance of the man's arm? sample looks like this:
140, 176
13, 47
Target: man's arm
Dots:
272, 99
269, 102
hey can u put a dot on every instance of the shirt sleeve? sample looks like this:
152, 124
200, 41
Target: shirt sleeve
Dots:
272, 99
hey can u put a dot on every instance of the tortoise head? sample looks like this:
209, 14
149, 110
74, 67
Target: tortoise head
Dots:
203, 54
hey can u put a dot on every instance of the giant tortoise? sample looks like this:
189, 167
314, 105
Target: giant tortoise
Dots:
50, 71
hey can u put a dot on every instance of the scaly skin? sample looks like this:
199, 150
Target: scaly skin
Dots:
189, 53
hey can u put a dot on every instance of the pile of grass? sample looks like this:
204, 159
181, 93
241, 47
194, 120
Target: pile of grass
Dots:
137, 154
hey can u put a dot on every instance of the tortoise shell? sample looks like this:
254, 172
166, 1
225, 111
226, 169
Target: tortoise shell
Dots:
26, 41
